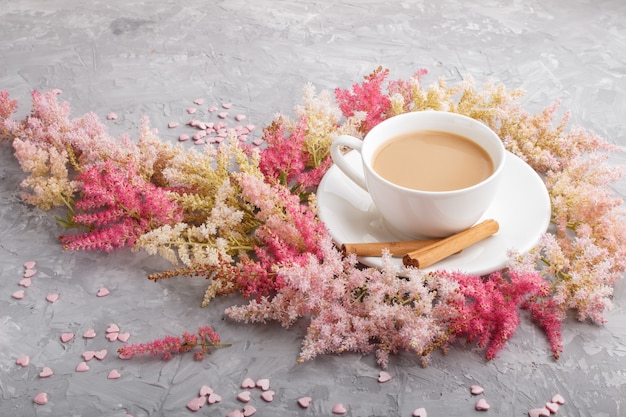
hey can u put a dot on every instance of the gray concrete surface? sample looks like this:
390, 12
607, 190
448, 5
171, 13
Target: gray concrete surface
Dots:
143, 57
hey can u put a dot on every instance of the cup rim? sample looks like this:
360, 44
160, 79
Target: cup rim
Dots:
367, 163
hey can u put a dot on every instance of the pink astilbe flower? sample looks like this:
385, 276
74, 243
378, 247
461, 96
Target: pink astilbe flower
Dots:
367, 97
118, 205
205, 339
7, 108
289, 231
284, 158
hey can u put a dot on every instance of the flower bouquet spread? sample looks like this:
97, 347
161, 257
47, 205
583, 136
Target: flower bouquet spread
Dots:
244, 217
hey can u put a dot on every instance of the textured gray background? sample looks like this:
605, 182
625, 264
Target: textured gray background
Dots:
154, 58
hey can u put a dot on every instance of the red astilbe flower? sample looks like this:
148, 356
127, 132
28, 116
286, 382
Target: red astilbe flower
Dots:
167, 347
488, 308
118, 205
366, 97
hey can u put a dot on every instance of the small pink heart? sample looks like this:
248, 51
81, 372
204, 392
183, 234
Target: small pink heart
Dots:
264, 384
29, 273
66, 337
205, 390
123, 337
45, 372
82, 367
268, 395
244, 396
18, 295
419, 412
25, 282
552, 407
248, 410
112, 336
248, 383
196, 403
539, 412
101, 354
52, 297
88, 355
89, 334
41, 398
113, 328
235, 413
339, 409
482, 405
114, 374
214, 398
558, 398
103, 292
476, 389
23, 360
305, 402
384, 377
29, 264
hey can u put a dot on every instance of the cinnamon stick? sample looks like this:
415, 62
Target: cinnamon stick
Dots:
433, 253
397, 249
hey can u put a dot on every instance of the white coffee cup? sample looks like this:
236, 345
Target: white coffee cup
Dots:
415, 213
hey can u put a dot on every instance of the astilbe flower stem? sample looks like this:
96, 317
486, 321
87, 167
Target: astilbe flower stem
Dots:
205, 339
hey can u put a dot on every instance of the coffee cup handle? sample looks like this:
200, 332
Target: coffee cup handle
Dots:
340, 160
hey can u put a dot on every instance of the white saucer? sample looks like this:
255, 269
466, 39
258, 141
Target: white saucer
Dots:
522, 208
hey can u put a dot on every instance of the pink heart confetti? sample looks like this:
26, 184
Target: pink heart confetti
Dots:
88, 355
240, 117
539, 412
101, 354
112, 336
212, 109
196, 403
114, 374
41, 398
183, 138
263, 383
305, 402
66, 337
248, 383
268, 395
191, 110
103, 292
258, 141
199, 101
18, 295
111, 116
172, 125
51, 298
420, 412
248, 410
558, 398
29, 273
552, 407
89, 334
23, 360
339, 409
25, 282
222, 115
482, 405
384, 377
235, 413
250, 127
244, 396
45, 372
113, 328
205, 390
227, 105
29, 264
82, 367
476, 389
214, 398
123, 337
